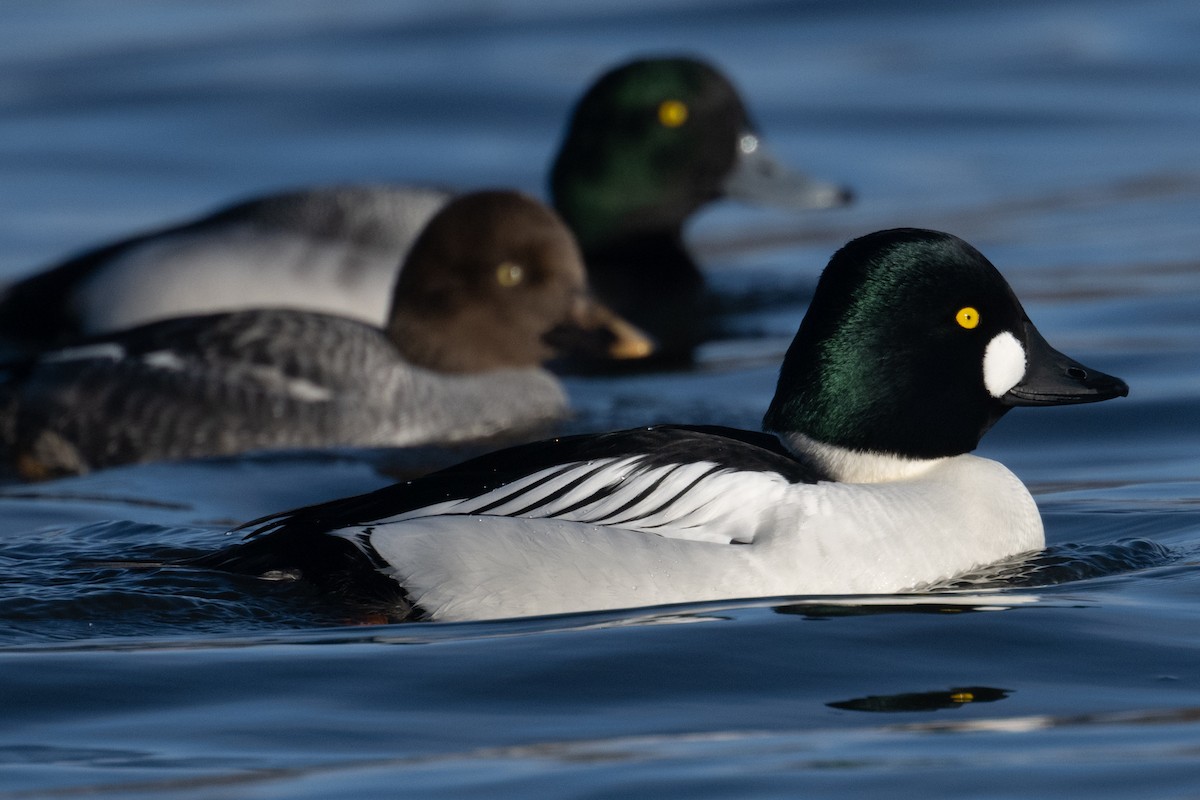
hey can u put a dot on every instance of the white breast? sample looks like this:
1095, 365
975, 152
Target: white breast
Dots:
730, 535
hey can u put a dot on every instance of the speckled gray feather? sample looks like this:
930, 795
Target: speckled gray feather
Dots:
244, 381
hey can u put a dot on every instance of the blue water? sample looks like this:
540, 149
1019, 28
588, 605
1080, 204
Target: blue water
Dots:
1062, 138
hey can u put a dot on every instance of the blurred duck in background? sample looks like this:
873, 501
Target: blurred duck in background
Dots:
651, 142
492, 288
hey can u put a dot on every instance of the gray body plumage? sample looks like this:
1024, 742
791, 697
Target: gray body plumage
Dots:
252, 380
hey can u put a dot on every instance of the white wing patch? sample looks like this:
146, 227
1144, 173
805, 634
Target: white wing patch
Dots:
275, 379
701, 501
87, 352
165, 359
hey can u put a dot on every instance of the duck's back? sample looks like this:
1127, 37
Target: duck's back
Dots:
335, 249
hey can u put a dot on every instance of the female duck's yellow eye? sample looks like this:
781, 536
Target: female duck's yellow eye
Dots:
967, 317
509, 274
672, 113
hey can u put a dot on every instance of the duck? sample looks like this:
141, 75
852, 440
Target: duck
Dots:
648, 144
861, 481
493, 287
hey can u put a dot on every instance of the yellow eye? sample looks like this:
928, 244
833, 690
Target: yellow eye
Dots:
509, 274
968, 317
672, 113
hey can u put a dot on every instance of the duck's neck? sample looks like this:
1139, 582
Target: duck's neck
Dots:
649, 279
604, 205
457, 343
857, 466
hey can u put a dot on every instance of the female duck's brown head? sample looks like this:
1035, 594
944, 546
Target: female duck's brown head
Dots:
497, 281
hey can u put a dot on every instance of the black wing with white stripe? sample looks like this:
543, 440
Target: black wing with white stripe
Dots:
658, 446
297, 541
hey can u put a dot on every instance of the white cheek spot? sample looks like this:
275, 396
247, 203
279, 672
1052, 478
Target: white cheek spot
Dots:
1003, 364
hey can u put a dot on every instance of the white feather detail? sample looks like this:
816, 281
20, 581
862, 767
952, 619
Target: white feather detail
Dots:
275, 379
87, 352
164, 359
700, 501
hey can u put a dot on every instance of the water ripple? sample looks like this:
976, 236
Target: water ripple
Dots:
1067, 563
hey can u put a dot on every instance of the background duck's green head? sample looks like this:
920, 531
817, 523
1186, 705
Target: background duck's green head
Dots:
647, 145
653, 140
915, 345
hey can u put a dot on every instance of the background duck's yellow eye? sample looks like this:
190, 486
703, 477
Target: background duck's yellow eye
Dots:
967, 316
672, 113
509, 274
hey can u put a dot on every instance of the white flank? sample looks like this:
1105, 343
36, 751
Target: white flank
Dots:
1003, 364
758, 537
200, 273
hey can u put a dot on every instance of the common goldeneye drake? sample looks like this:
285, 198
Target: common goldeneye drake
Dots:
914, 345
492, 288
650, 143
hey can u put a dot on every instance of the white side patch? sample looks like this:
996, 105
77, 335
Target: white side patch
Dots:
303, 389
164, 359
1003, 364
275, 380
85, 353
